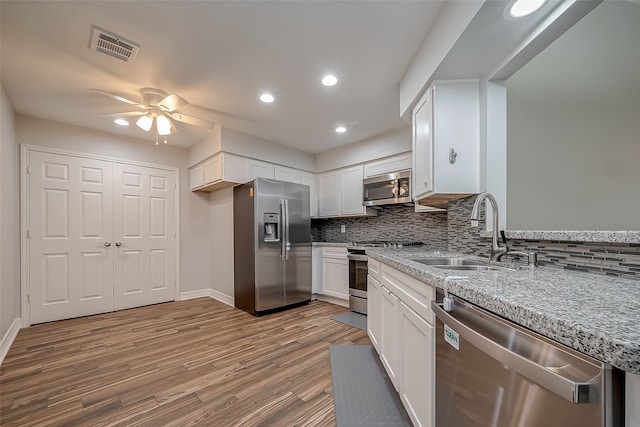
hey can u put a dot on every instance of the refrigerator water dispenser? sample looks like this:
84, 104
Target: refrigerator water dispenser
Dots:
271, 229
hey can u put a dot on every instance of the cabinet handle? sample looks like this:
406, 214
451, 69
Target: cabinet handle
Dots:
107, 244
426, 182
119, 244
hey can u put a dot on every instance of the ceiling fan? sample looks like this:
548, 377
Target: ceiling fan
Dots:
159, 108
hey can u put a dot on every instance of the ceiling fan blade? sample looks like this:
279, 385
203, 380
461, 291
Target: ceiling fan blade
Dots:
172, 102
120, 98
125, 114
192, 120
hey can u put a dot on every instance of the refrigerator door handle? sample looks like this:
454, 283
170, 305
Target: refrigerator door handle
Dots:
287, 246
283, 233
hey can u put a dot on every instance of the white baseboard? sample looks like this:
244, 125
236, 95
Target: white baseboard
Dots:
9, 337
211, 293
331, 299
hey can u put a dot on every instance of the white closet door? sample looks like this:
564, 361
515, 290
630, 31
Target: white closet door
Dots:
70, 244
144, 235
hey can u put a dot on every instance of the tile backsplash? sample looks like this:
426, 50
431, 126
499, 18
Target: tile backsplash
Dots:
452, 230
394, 223
612, 259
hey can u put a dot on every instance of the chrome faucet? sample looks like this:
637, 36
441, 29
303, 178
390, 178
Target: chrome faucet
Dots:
496, 250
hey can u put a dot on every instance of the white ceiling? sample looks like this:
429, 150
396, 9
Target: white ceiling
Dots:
219, 55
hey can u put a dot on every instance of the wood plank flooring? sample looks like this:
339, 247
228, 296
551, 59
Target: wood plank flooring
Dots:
195, 362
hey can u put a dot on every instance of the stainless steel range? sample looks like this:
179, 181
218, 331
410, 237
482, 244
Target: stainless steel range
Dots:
358, 270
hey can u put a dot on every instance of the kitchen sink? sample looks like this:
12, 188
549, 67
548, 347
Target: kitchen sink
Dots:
441, 261
462, 264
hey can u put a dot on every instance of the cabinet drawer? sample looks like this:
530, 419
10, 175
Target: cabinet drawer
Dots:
374, 268
414, 293
334, 252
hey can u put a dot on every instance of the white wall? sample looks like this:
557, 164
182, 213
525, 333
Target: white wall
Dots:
194, 243
9, 217
231, 141
448, 27
573, 128
268, 151
221, 242
384, 145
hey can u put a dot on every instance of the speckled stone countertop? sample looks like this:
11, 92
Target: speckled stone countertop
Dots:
593, 314
572, 236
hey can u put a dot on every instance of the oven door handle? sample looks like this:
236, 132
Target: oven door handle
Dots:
357, 257
576, 392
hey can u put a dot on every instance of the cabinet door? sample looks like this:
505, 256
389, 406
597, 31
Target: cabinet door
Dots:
389, 335
388, 165
213, 169
423, 146
352, 191
374, 315
288, 174
196, 177
258, 169
632, 384
417, 366
310, 180
329, 193
335, 277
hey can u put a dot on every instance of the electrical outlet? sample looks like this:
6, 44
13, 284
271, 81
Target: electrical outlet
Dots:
343, 228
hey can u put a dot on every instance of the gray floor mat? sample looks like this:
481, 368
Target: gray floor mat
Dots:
356, 320
362, 395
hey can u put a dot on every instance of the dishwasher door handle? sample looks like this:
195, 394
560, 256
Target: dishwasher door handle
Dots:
576, 392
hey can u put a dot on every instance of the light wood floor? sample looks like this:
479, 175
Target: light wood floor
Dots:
196, 362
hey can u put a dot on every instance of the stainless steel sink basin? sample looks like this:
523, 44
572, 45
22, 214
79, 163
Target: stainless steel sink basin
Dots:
474, 267
458, 264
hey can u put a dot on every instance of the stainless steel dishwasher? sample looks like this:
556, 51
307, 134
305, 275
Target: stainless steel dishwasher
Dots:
491, 372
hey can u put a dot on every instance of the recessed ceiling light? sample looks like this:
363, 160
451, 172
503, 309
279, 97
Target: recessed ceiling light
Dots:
341, 129
266, 97
522, 8
329, 80
121, 122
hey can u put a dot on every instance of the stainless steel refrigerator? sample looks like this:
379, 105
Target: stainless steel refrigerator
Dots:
272, 245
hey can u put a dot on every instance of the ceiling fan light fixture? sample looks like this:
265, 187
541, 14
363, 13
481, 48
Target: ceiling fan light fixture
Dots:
163, 125
145, 122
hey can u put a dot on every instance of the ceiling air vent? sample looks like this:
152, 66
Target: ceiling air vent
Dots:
113, 45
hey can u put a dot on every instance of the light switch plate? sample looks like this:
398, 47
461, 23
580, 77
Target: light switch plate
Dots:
343, 228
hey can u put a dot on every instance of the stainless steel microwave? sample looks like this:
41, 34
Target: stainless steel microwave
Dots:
387, 189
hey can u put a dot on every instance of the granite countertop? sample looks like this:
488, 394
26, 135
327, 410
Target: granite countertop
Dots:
595, 315
572, 236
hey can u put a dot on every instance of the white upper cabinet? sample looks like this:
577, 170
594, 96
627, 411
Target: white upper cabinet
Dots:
340, 193
286, 174
308, 178
446, 143
329, 193
218, 171
388, 165
259, 169
352, 191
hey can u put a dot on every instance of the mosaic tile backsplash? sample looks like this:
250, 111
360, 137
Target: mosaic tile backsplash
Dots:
452, 230
394, 223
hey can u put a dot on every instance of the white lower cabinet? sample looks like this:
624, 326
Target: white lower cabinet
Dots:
374, 315
389, 345
335, 273
417, 367
400, 324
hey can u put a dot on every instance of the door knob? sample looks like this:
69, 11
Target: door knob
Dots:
107, 244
